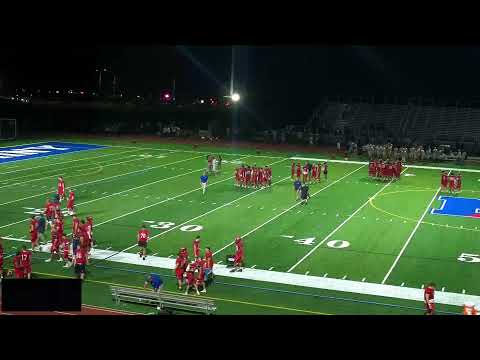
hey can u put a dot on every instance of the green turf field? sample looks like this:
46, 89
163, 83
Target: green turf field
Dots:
359, 247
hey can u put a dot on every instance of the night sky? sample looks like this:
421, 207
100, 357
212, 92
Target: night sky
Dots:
274, 80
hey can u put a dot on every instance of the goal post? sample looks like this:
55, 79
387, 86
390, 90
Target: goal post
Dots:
8, 129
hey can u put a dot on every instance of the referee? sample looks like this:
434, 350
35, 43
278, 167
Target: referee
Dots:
304, 194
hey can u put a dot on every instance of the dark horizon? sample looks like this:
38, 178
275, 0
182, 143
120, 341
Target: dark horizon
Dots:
274, 80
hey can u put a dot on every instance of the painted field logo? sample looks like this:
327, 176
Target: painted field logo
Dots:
25, 152
457, 206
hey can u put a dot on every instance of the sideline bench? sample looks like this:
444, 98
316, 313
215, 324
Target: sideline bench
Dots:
163, 301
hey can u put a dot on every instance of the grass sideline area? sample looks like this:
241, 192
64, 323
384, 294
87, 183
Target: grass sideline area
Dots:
354, 228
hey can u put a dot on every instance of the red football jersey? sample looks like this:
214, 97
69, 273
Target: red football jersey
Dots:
71, 196
17, 262
208, 259
1, 254
76, 226
26, 258
143, 235
33, 225
80, 257
430, 292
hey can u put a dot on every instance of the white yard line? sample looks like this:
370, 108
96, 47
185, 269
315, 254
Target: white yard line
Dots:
65, 162
157, 203
14, 223
96, 181
288, 209
411, 236
340, 226
211, 211
60, 174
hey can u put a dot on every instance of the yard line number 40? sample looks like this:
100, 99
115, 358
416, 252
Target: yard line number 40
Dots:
168, 224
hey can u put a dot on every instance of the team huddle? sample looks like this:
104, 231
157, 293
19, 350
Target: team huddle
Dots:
253, 176
309, 172
452, 182
388, 170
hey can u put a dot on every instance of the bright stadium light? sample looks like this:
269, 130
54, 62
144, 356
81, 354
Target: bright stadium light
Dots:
235, 97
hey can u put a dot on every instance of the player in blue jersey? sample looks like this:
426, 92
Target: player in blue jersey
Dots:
204, 182
155, 281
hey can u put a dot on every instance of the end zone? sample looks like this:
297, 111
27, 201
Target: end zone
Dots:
33, 151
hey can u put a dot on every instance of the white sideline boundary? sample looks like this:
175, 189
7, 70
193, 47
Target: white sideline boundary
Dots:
316, 282
290, 158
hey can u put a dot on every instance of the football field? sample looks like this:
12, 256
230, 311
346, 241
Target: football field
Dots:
373, 242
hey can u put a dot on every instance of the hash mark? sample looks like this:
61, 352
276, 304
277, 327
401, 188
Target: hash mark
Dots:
402, 284
443, 288
363, 280
253, 266
344, 277
220, 262
308, 272
170, 256
274, 209
423, 286
325, 275
273, 267
463, 291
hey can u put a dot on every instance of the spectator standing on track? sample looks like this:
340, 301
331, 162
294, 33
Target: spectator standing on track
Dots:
325, 169
41, 227
155, 281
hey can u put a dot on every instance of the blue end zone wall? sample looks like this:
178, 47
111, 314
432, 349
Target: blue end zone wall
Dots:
33, 151
457, 206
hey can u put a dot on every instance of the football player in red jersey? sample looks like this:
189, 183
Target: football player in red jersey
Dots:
66, 251
90, 228
17, 266
26, 258
1, 258
79, 262
299, 171
314, 173
200, 279
429, 299
191, 278
196, 247
238, 262
33, 232
55, 247
75, 233
71, 202
61, 188
180, 265
444, 181
208, 263
452, 182
142, 238
49, 211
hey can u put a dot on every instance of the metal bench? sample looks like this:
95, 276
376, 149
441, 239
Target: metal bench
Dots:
172, 302
164, 301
